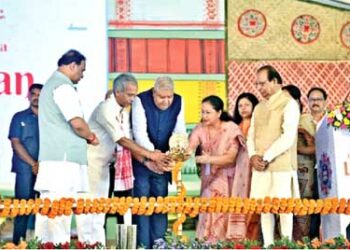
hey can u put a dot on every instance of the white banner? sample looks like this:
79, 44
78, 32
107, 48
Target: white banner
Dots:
33, 35
167, 14
333, 173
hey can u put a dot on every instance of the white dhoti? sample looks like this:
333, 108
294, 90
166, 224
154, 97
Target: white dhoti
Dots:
282, 184
56, 180
92, 225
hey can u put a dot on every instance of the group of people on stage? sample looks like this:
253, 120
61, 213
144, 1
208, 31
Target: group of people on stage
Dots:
266, 148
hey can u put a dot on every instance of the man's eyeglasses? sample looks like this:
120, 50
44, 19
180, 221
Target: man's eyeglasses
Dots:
261, 84
316, 99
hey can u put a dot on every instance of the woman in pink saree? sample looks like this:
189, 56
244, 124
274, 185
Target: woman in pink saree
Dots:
225, 169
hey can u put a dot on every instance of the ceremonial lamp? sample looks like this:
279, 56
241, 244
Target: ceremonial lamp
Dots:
178, 144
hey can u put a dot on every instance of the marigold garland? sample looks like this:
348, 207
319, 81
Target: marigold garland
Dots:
173, 204
181, 191
174, 174
186, 206
191, 206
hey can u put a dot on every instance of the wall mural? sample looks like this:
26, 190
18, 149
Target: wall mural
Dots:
310, 45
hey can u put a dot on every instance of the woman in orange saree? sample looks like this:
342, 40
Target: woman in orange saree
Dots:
242, 115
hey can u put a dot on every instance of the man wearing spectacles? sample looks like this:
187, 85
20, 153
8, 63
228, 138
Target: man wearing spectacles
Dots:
317, 100
272, 148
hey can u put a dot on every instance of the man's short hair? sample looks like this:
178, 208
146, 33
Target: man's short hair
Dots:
272, 73
120, 82
324, 93
164, 82
35, 86
71, 56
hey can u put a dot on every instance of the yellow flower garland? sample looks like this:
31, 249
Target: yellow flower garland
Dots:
190, 206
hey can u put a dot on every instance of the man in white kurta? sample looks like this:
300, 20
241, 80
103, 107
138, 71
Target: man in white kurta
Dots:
111, 123
63, 141
272, 148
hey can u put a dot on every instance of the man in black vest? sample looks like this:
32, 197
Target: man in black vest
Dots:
156, 114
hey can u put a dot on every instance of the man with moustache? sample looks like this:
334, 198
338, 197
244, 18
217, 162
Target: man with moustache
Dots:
156, 114
317, 100
110, 121
272, 148
24, 136
64, 136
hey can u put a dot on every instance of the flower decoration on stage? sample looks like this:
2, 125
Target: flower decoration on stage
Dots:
339, 117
